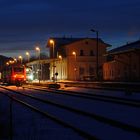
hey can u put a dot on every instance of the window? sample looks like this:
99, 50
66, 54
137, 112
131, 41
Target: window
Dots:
86, 42
81, 70
18, 69
91, 71
118, 71
134, 66
81, 52
91, 53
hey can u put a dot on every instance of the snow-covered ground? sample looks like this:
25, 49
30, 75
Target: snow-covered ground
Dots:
134, 95
29, 125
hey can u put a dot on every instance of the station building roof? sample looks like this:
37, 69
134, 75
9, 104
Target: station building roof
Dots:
133, 46
64, 41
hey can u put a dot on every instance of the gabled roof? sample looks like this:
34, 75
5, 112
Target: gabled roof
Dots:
64, 41
126, 48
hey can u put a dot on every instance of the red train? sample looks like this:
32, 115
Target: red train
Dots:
14, 74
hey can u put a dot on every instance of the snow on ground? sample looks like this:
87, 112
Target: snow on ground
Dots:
4, 117
111, 110
28, 125
32, 126
134, 95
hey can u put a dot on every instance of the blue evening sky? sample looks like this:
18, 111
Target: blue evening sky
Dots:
25, 23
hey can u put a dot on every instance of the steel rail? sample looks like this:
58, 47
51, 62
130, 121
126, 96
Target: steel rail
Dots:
54, 118
112, 99
88, 114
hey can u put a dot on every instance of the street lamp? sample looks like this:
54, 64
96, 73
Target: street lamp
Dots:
74, 53
15, 60
28, 56
60, 57
97, 47
38, 49
52, 42
7, 63
39, 71
20, 57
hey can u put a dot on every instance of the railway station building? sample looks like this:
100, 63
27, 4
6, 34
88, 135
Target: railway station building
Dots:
71, 59
76, 58
123, 63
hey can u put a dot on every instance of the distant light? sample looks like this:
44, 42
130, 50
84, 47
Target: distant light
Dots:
20, 57
27, 53
7, 63
37, 49
51, 41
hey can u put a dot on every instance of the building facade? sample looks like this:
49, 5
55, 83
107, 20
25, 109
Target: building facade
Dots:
76, 58
125, 63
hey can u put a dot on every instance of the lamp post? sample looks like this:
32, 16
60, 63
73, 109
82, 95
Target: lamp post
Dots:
52, 42
15, 60
97, 51
39, 71
60, 57
28, 56
20, 57
74, 53
7, 63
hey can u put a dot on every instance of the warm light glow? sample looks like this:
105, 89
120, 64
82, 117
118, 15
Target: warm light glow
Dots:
74, 53
20, 57
51, 41
27, 53
15, 59
11, 62
60, 57
7, 63
37, 49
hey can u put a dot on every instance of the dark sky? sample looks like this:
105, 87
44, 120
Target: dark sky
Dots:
24, 23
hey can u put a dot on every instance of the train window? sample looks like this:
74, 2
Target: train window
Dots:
18, 69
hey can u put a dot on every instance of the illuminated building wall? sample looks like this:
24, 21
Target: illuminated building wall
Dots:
82, 64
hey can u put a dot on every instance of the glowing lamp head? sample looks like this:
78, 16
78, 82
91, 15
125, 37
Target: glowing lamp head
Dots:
74, 53
51, 41
37, 49
27, 53
60, 57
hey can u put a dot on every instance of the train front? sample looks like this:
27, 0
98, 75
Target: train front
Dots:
18, 75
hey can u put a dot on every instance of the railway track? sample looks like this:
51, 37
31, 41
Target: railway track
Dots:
15, 97
82, 132
104, 98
